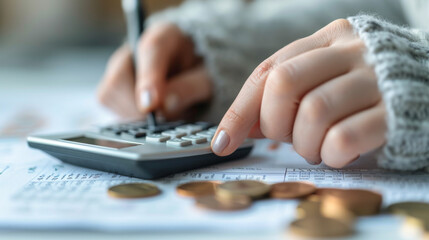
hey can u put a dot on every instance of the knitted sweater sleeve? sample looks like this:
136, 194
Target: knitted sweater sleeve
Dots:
234, 36
400, 57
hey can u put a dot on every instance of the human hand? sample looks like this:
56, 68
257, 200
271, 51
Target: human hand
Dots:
169, 76
317, 93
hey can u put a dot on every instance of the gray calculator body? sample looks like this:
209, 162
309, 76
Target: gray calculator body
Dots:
134, 157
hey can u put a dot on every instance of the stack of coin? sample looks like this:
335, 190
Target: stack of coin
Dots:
331, 212
228, 196
321, 212
239, 195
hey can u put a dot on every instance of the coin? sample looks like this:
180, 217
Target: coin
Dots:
308, 208
409, 208
324, 191
249, 188
133, 190
359, 202
287, 190
319, 226
197, 189
218, 204
416, 212
421, 222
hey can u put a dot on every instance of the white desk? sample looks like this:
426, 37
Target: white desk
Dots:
51, 105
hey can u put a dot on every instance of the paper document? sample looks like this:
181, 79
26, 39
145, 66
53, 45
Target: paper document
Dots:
41, 192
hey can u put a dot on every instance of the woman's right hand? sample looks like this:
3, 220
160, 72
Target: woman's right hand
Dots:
169, 76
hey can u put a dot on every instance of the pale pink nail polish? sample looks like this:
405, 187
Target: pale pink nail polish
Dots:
221, 142
146, 99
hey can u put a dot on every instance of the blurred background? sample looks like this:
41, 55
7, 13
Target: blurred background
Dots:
52, 56
61, 40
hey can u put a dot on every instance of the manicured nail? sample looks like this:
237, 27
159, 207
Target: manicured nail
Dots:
171, 103
145, 99
220, 143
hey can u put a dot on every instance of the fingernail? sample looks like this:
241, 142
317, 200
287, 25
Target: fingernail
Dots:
312, 162
171, 103
145, 99
220, 143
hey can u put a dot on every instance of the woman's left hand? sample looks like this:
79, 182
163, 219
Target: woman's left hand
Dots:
317, 93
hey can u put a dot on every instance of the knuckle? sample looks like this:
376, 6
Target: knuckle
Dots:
333, 30
340, 139
233, 117
261, 72
314, 108
282, 80
160, 35
340, 24
152, 40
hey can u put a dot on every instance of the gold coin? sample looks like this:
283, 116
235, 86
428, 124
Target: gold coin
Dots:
250, 188
308, 208
359, 202
287, 190
421, 222
197, 189
324, 191
319, 226
218, 204
133, 190
409, 208
416, 212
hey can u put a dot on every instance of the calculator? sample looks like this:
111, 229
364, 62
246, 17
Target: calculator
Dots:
138, 150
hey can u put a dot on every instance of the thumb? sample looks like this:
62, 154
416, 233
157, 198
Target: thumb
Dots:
186, 89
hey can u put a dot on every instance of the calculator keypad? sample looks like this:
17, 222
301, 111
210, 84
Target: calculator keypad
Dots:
157, 138
206, 134
178, 142
173, 134
195, 139
189, 128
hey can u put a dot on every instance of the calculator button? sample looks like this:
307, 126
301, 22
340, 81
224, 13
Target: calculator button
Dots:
157, 129
212, 129
157, 138
161, 127
135, 133
195, 139
189, 128
177, 142
173, 133
112, 132
206, 134
204, 125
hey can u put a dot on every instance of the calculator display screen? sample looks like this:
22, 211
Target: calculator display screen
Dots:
101, 142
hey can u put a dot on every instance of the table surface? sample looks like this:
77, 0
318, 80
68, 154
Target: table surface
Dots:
76, 74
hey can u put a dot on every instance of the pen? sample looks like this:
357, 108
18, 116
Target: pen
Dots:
134, 17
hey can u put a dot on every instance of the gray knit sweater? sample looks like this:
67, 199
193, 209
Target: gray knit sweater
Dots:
234, 36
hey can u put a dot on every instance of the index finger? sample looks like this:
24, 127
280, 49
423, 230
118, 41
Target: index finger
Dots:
244, 111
